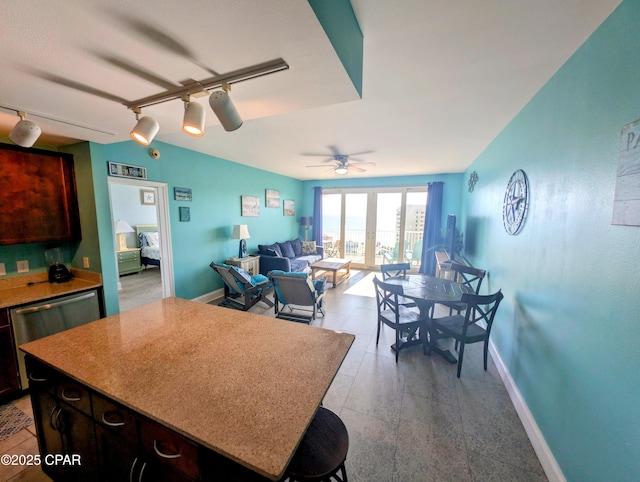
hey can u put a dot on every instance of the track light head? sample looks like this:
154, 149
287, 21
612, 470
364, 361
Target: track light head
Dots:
193, 122
224, 109
145, 130
25, 133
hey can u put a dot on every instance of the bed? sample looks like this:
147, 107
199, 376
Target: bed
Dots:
147, 235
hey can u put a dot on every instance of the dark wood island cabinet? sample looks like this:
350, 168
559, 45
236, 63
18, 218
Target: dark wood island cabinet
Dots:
179, 391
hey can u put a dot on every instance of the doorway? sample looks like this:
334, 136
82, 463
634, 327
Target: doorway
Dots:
141, 207
374, 226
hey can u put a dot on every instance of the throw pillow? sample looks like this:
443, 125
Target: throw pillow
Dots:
262, 248
273, 252
297, 246
287, 249
309, 247
243, 274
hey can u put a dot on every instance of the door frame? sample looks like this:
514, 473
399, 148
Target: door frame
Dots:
164, 228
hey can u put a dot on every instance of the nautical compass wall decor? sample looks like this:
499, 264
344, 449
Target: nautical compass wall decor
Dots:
516, 201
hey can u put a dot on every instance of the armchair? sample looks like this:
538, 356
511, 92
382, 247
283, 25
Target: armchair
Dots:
296, 291
242, 291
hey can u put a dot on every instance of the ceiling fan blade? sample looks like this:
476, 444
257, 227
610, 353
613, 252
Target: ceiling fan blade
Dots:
318, 165
360, 153
355, 168
362, 163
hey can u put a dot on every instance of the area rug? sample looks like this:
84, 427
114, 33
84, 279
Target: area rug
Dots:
12, 420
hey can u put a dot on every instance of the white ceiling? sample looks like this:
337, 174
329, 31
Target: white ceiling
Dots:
441, 78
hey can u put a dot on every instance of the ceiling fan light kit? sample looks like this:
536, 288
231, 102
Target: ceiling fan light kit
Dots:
342, 164
25, 133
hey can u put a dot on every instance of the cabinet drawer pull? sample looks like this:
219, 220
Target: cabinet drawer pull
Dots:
133, 467
56, 423
69, 398
34, 378
112, 424
165, 456
144, 466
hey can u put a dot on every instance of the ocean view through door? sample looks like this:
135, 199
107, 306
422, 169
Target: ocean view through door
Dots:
369, 226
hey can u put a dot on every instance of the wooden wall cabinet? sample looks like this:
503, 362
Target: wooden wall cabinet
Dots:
38, 197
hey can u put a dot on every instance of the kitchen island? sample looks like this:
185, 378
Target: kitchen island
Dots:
212, 392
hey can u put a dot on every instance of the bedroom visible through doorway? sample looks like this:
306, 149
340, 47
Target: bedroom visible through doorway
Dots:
142, 240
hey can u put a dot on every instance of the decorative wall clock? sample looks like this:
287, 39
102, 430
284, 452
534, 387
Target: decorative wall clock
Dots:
516, 201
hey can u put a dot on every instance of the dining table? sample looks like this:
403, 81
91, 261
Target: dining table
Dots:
427, 291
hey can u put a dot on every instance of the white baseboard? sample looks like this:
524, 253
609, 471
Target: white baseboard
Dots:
547, 460
211, 296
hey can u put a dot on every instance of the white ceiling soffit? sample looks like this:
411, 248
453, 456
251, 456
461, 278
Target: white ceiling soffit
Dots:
441, 79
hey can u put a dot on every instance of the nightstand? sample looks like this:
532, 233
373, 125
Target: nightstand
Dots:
129, 261
251, 264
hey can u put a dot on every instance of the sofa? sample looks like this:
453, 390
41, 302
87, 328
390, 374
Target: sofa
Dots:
289, 256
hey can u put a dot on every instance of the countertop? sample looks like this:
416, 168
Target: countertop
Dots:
21, 290
243, 385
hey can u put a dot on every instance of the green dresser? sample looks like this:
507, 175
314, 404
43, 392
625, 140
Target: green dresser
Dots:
129, 261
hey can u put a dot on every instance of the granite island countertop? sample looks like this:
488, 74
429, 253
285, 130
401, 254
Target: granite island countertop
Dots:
243, 385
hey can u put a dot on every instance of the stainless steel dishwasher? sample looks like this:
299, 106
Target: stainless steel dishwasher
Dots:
37, 320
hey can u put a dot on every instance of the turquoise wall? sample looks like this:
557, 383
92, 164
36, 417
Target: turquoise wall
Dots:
217, 186
568, 327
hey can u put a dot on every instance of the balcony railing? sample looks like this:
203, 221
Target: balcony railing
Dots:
386, 246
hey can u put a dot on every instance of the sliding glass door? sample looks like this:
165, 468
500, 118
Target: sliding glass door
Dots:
374, 226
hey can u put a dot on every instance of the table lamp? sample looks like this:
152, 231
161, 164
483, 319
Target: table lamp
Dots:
241, 232
306, 221
123, 227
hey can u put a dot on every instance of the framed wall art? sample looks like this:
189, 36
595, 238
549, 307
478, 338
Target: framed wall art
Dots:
182, 194
147, 197
250, 206
272, 198
185, 214
289, 207
123, 170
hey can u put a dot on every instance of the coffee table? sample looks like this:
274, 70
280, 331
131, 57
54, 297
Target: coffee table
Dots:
332, 265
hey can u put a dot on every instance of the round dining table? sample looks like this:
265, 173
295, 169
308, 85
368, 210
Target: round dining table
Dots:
427, 291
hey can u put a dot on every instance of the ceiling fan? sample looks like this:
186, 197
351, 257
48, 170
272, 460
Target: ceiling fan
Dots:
341, 163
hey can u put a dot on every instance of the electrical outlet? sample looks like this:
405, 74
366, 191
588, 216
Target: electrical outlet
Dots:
23, 266
3, 270
85, 261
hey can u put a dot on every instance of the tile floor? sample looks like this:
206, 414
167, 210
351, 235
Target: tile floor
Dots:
410, 421
414, 420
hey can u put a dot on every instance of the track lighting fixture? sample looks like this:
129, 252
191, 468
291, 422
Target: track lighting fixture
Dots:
224, 109
146, 128
219, 100
193, 122
25, 133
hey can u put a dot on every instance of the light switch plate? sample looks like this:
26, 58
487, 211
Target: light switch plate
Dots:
23, 266
3, 270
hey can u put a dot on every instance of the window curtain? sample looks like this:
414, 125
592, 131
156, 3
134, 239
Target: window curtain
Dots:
317, 215
432, 228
